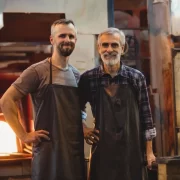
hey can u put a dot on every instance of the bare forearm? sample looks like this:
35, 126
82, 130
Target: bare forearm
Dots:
150, 155
149, 148
10, 111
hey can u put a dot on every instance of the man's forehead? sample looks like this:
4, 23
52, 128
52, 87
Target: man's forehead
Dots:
109, 37
65, 29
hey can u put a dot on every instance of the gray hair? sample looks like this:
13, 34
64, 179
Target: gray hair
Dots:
112, 31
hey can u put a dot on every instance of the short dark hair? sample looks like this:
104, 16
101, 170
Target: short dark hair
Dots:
61, 21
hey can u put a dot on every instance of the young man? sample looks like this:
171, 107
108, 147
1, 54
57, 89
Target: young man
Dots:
58, 149
123, 122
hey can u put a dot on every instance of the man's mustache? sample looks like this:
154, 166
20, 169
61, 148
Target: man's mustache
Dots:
109, 54
67, 44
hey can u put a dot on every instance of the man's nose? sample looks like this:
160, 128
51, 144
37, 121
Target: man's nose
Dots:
109, 48
67, 39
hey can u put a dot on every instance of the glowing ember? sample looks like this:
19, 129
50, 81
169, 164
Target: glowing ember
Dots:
7, 139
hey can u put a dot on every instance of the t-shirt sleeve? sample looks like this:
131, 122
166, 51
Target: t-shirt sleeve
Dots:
28, 81
76, 73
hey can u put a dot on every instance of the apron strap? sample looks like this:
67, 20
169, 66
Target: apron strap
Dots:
50, 68
50, 80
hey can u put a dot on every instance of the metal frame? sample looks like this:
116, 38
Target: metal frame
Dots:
110, 10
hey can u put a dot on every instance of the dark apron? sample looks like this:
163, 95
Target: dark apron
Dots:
61, 158
119, 153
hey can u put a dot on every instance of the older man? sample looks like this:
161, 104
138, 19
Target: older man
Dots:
123, 122
58, 152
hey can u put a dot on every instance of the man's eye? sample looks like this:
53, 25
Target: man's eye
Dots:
71, 37
62, 35
114, 45
105, 45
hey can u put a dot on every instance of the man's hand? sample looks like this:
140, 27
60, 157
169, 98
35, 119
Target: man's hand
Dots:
91, 135
35, 137
150, 159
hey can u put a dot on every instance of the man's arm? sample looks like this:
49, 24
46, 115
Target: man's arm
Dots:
150, 155
146, 120
149, 135
10, 111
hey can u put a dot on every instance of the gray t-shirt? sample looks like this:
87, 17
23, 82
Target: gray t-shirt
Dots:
37, 76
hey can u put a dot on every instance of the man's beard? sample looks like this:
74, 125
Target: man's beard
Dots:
110, 59
66, 51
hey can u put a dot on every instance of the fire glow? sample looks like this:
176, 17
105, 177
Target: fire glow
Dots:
7, 139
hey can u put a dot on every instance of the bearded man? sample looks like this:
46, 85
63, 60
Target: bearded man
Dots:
119, 101
58, 144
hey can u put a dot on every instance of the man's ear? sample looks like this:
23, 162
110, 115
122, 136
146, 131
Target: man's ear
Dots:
123, 49
51, 39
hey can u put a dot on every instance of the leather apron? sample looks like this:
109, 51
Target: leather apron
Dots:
119, 153
62, 157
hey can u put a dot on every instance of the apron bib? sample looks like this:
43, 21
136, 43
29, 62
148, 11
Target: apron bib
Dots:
119, 153
61, 158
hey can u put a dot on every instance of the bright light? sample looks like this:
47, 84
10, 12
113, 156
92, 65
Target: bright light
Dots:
175, 5
7, 139
175, 17
1, 21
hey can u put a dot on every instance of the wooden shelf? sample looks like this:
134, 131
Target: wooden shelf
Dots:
15, 157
